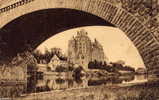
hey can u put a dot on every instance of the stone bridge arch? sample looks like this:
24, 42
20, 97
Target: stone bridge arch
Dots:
140, 34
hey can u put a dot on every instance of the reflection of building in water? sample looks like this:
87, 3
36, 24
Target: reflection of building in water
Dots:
137, 79
56, 62
58, 84
42, 61
141, 77
41, 83
13, 90
42, 67
54, 85
81, 50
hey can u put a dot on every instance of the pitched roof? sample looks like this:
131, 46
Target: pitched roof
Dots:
55, 58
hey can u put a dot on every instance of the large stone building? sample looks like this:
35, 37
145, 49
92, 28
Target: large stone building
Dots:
81, 50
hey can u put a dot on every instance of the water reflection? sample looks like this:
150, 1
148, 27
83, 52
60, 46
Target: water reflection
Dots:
49, 83
11, 91
137, 79
56, 83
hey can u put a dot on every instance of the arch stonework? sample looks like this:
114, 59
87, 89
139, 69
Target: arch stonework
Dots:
137, 29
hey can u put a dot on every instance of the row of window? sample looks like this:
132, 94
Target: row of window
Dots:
17, 4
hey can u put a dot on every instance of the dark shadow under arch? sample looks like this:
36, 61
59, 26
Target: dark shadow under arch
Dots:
32, 29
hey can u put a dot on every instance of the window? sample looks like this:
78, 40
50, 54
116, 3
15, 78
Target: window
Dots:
82, 57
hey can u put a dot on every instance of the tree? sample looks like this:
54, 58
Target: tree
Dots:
48, 68
77, 72
61, 69
90, 65
120, 65
129, 68
58, 52
49, 54
70, 68
96, 64
38, 55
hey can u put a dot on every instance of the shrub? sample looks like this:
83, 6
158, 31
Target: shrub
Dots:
61, 69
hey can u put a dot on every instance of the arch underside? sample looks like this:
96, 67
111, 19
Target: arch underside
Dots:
138, 33
30, 30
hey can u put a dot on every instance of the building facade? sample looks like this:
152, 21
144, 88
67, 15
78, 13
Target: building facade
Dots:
56, 62
81, 50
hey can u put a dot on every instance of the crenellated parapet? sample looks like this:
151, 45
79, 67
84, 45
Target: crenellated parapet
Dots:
145, 11
14, 5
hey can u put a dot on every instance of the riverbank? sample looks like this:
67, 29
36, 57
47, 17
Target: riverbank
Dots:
143, 91
8, 83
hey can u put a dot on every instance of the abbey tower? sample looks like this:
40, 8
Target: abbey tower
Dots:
81, 50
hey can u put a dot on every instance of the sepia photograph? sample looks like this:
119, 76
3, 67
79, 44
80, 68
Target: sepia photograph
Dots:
79, 50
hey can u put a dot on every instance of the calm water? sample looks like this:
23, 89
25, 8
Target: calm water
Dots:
48, 83
53, 83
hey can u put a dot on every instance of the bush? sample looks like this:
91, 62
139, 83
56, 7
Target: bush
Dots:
70, 68
61, 69
77, 72
48, 68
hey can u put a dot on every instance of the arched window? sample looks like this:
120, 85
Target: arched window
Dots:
82, 57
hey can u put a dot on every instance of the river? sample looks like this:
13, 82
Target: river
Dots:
127, 87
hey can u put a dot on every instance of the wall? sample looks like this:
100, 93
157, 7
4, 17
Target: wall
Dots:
13, 73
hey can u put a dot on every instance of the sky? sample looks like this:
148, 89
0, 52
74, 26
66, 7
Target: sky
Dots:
117, 46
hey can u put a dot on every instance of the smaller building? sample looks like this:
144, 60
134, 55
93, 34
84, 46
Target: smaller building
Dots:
141, 71
43, 61
57, 62
42, 67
